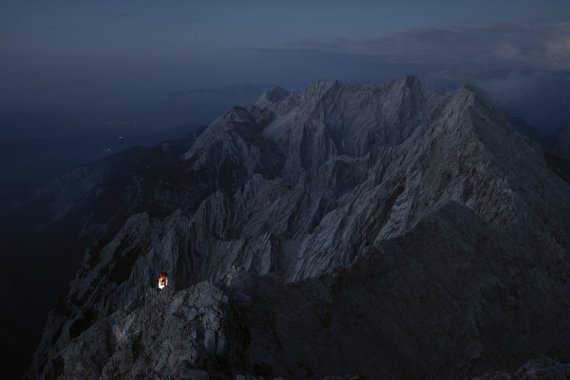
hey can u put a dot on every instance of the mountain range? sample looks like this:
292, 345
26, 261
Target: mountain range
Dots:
381, 231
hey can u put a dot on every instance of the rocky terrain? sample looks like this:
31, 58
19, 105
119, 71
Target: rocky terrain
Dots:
349, 230
51, 223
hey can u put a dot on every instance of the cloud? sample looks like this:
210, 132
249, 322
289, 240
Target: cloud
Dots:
531, 45
524, 66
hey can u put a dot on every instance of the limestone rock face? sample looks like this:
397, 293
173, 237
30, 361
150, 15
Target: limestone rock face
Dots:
157, 336
322, 226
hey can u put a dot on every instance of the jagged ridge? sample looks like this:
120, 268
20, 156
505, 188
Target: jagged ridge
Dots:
297, 186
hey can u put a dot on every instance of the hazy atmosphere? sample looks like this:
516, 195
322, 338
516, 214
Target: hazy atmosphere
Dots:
120, 56
267, 189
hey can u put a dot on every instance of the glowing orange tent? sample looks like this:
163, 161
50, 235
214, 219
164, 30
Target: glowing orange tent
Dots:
163, 280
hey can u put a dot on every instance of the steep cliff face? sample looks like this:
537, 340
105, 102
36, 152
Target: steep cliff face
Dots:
446, 220
50, 223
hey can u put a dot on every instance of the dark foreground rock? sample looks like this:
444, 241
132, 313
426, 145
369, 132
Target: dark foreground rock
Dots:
450, 299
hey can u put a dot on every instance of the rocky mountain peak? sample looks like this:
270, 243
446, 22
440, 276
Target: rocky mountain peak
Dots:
317, 89
271, 98
476, 94
276, 94
383, 204
411, 83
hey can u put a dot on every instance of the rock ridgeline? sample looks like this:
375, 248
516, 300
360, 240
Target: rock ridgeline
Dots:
382, 231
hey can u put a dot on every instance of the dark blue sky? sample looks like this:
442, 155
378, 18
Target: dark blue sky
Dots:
68, 53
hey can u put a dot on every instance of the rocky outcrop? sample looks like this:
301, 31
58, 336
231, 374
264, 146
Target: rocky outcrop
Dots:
341, 221
432, 303
158, 335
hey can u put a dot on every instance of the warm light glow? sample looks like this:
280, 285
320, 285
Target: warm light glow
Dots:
162, 280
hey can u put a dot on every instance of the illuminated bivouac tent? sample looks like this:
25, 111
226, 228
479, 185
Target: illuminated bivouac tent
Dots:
163, 280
